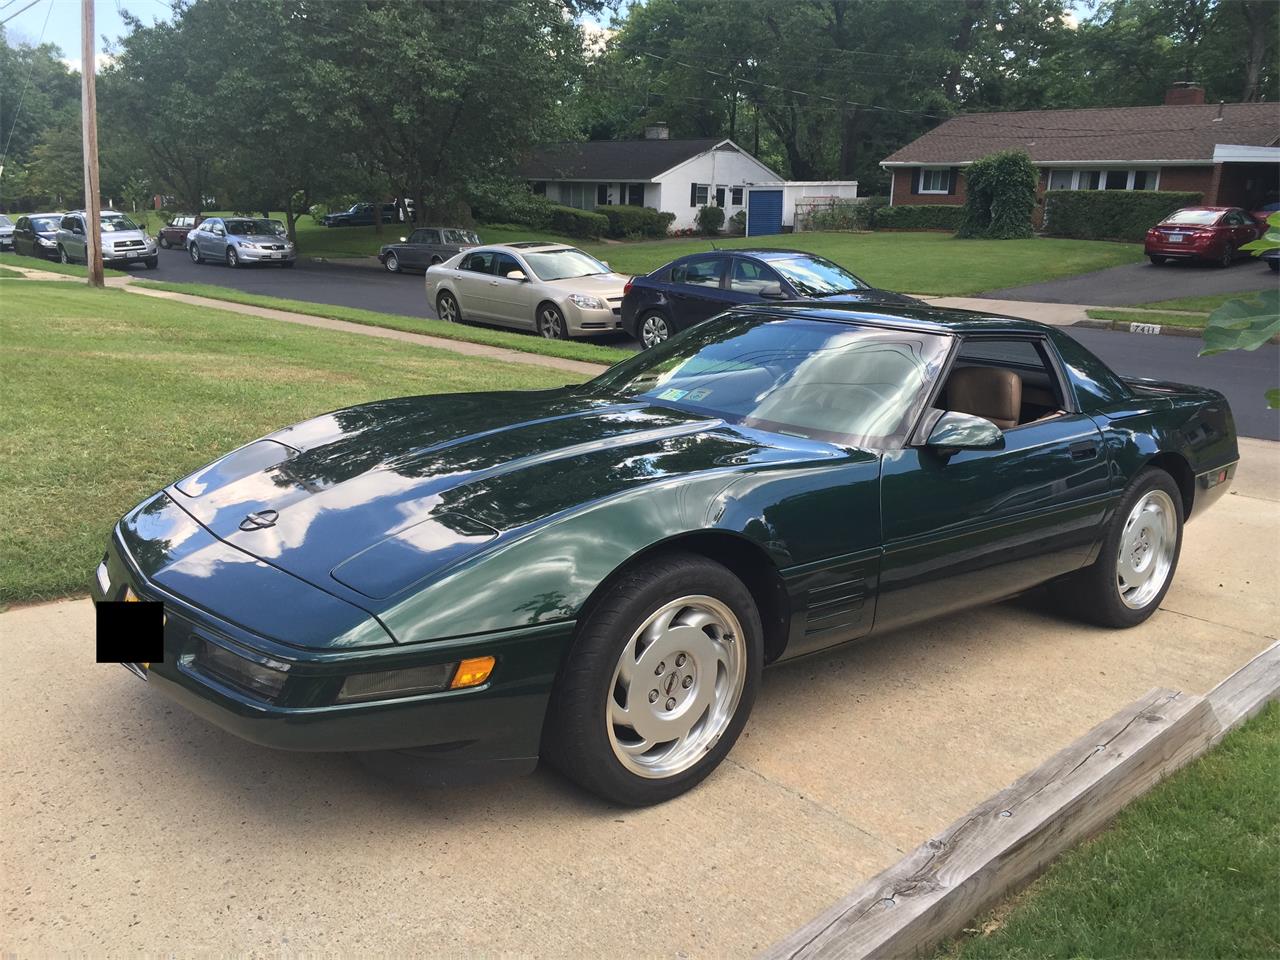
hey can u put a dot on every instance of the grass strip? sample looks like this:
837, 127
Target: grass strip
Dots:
1194, 321
525, 343
122, 394
1189, 870
52, 266
1203, 304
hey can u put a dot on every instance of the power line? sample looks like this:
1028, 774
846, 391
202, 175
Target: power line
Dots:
4, 155
19, 13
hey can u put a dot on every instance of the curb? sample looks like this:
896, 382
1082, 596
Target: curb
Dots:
1149, 329
936, 890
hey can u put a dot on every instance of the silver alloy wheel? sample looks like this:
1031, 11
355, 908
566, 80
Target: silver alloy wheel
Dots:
447, 307
676, 687
195, 254
392, 263
62, 255
232, 259
654, 330
550, 323
1147, 544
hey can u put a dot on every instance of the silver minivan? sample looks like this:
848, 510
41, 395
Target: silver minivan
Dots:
123, 241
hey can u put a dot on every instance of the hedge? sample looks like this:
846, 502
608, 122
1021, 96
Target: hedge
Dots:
1110, 214
634, 223
919, 217
843, 214
578, 223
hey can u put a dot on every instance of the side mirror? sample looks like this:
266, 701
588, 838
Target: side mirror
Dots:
516, 275
771, 291
962, 431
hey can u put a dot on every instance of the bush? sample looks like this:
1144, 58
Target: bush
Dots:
509, 201
635, 223
738, 223
577, 223
843, 215
924, 216
1110, 214
710, 219
1000, 196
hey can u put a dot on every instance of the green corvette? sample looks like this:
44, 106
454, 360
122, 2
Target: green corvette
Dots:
596, 575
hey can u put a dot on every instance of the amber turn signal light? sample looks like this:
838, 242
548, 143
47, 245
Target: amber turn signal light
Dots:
472, 672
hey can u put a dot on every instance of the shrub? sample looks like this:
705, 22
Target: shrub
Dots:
577, 223
924, 216
1110, 214
509, 201
738, 223
1000, 196
844, 215
710, 219
634, 223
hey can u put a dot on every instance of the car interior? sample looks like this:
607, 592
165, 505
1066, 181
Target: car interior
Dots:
1009, 382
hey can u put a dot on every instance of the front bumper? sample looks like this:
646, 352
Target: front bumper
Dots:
251, 255
584, 322
499, 722
136, 255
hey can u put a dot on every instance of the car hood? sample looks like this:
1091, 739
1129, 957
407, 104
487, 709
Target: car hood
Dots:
369, 501
115, 236
599, 285
6, 230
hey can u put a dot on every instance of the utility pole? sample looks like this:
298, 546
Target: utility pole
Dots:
89, 124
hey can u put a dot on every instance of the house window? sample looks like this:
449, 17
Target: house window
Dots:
602, 195
935, 179
635, 194
540, 188
735, 196
1117, 179
1114, 179
1145, 179
1062, 179
698, 194
719, 195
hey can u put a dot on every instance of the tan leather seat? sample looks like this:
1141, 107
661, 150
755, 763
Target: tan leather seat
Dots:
987, 392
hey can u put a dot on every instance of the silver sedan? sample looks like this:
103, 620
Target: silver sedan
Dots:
241, 240
558, 291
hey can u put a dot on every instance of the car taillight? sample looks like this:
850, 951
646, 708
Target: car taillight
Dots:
626, 288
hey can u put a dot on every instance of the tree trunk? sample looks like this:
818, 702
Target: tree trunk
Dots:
1255, 18
961, 44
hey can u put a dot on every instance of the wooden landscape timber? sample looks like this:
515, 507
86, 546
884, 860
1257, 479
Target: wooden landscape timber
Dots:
1002, 844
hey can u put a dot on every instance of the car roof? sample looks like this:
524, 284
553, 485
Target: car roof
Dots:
521, 246
924, 317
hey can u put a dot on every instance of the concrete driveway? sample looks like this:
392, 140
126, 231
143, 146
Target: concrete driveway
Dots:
1144, 283
131, 827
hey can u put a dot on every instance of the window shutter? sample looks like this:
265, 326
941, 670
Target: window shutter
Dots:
693, 194
951, 180
915, 179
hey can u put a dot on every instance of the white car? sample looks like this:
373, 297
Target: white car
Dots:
558, 291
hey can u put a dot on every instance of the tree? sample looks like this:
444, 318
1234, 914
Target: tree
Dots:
1000, 195
37, 94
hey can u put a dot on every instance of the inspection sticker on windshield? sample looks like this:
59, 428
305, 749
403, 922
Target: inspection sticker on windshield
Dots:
700, 394
672, 394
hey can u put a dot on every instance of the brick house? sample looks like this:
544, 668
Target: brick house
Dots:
1229, 152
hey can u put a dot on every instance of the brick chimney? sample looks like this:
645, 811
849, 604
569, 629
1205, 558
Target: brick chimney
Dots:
1184, 92
660, 131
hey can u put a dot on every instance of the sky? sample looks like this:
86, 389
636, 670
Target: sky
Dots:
60, 22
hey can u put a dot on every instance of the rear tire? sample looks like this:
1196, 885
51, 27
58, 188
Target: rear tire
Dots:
1138, 559
447, 308
659, 682
63, 257
1274, 265
654, 329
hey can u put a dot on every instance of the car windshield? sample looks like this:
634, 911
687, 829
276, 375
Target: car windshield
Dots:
250, 228
118, 224
818, 379
45, 224
271, 226
5, 221
1201, 218
564, 264
459, 236
816, 277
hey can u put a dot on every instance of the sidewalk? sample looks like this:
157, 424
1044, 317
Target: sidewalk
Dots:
1058, 314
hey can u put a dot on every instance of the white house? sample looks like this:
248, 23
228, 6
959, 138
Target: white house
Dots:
677, 176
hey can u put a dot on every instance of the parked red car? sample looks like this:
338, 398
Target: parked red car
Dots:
1202, 233
174, 233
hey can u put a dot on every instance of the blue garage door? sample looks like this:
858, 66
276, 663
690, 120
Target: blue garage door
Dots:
764, 212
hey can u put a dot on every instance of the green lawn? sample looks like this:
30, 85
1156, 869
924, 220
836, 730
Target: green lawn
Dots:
1190, 870
113, 395
1199, 304
526, 343
8, 274
1165, 319
51, 266
932, 263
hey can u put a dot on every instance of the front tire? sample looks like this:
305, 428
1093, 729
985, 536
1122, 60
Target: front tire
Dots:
551, 323
152, 262
1228, 256
195, 254
164, 244
659, 683
392, 263
233, 258
1139, 556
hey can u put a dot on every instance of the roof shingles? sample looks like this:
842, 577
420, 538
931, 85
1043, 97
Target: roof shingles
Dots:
1184, 133
611, 160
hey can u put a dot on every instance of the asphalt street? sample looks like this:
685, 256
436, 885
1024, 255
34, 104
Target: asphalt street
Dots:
1145, 283
1243, 377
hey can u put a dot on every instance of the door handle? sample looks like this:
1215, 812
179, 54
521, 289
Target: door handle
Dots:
1084, 450
493, 283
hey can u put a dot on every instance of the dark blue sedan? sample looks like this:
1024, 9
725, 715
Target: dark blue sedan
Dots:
689, 290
